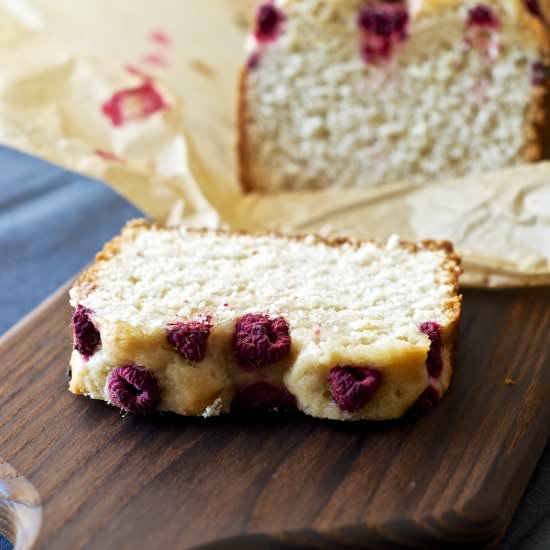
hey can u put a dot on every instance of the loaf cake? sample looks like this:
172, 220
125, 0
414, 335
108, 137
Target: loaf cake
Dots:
204, 322
355, 93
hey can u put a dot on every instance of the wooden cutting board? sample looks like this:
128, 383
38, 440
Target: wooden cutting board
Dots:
454, 476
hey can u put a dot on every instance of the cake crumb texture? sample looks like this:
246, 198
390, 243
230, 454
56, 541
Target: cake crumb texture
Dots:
350, 93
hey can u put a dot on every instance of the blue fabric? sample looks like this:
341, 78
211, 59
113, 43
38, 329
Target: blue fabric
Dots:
51, 224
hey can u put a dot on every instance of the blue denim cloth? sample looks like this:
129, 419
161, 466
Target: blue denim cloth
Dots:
51, 224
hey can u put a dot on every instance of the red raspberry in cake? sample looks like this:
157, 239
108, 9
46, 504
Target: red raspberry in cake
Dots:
353, 387
434, 362
87, 339
269, 20
482, 16
540, 73
427, 400
190, 338
533, 7
133, 389
482, 27
382, 27
260, 340
263, 396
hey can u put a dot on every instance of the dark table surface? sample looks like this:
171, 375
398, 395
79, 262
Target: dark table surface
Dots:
52, 222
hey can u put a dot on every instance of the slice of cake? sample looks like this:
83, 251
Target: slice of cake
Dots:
202, 322
352, 93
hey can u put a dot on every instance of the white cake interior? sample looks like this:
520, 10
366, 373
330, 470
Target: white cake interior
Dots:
317, 115
352, 294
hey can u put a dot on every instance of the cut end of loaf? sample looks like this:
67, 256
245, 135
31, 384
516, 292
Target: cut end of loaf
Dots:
202, 322
354, 94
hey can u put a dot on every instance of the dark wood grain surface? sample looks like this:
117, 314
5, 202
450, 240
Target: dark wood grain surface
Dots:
454, 476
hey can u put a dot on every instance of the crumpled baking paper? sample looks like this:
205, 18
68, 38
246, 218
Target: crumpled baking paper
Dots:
142, 95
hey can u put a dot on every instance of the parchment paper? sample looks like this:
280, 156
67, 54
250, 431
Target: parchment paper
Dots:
142, 94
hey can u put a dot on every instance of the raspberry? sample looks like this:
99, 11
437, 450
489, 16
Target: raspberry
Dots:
427, 400
434, 363
481, 32
384, 20
353, 387
383, 26
533, 8
260, 340
482, 16
133, 389
87, 339
263, 396
190, 338
268, 22
539, 73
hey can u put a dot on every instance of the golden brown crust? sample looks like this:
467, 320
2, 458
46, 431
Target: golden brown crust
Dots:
133, 226
533, 130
